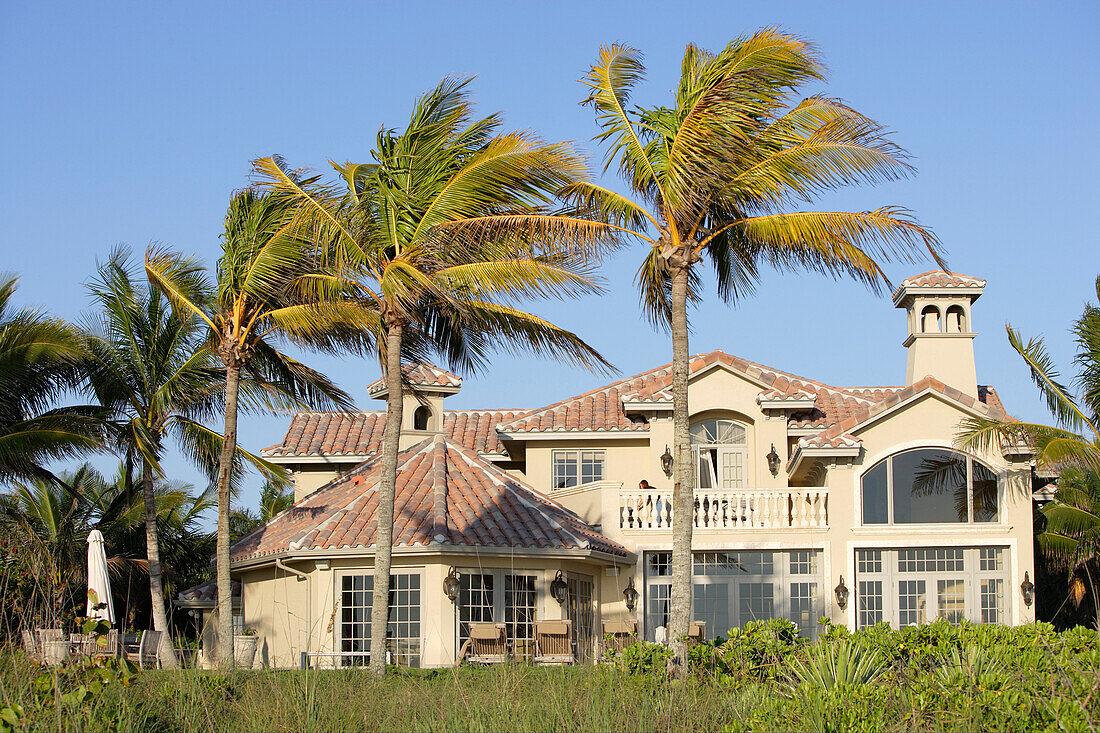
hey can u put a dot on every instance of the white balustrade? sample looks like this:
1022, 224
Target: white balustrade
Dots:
728, 508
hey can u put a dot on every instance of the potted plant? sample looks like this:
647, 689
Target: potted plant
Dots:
244, 648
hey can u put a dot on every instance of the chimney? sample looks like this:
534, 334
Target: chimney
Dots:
940, 339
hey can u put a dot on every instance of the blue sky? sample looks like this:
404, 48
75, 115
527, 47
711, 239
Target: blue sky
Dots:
132, 123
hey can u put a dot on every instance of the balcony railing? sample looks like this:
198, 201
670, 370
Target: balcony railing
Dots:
791, 508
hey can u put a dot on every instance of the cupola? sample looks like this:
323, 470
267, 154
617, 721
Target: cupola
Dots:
940, 338
425, 387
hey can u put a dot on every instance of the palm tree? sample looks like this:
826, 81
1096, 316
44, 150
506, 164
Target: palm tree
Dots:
1072, 535
270, 288
150, 365
442, 237
40, 359
719, 175
273, 500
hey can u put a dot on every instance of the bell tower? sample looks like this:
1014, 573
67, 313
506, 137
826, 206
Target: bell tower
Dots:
940, 338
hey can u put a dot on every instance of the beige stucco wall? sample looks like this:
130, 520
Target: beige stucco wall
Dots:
292, 616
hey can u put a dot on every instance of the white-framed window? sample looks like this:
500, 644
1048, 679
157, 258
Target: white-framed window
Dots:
917, 585
929, 485
576, 467
721, 454
403, 630
499, 596
731, 588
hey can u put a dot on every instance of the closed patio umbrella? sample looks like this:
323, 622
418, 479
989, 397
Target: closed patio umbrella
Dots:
98, 582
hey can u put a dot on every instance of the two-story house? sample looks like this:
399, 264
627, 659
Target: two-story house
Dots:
811, 500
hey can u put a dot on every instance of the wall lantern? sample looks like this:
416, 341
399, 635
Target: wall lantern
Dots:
558, 588
773, 461
630, 595
1027, 588
666, 462
841, 591
451, 585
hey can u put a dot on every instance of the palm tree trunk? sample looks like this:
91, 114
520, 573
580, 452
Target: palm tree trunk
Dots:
391, 440
152, 553
682, 493
225, 467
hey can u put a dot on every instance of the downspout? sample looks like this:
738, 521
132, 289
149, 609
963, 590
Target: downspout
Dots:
309, 600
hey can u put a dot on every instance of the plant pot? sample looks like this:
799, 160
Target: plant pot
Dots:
55, 652
244, 651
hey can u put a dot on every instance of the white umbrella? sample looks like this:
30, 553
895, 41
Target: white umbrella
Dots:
98, 582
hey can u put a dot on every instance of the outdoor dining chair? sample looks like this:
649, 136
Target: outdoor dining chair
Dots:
554, 642
697, 632
619, 634
32, 647
146, 650
488, 644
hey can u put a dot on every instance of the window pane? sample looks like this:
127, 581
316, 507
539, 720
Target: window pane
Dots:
985, 493
712, 604
804, 608
993, 601
756, 601
520, 596
874, 495
660, 563
870, 603
403, 629
929, 486
658, 597
565, 469
475, 602
912, 603
591, 466
869, 561
952, 600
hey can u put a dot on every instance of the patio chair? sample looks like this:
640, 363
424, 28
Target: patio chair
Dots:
697, 632
82, 645
32, 647
488, 644
111, 649
618, 635
554, 643
147, 650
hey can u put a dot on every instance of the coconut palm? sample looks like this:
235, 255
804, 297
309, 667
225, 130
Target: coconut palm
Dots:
270, 289
1072, 445
1074, 439
274, 498
443, 236
39, 360
150, 365
721, 175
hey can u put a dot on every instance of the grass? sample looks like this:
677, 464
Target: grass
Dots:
937, 678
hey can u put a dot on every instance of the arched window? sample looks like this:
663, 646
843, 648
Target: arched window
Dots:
929, 485
956, 319
930, 319
720, 451
421, 417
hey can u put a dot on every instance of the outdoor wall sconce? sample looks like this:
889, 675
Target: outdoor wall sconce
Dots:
451, 585
666, 462
558, 588
630, 595
1027, 588
841, 591
773, 461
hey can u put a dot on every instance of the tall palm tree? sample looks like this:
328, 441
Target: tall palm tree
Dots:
151, 366
270, 289
720, 175
453, 226
40, 359
1071, 445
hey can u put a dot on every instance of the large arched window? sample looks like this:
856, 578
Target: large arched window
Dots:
421, 417
720, 452
929, 485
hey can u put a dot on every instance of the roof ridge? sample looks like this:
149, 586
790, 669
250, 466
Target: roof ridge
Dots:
439, 488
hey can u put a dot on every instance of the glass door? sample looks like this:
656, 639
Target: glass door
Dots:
582, 613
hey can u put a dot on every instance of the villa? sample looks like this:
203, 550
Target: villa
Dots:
811, 500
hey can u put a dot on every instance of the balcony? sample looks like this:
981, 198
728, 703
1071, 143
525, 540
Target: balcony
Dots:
720, 509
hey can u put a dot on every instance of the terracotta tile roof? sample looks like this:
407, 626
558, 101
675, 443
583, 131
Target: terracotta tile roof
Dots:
419, 374
866, 412
360, 433
938, 279
445, 494
207, 593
